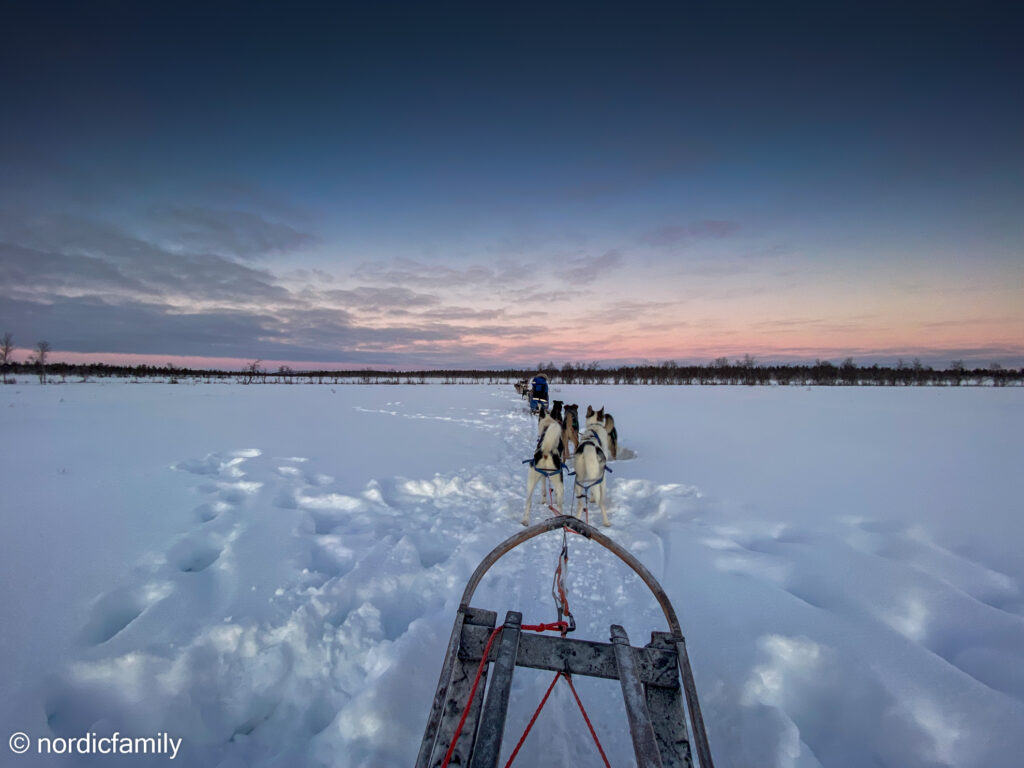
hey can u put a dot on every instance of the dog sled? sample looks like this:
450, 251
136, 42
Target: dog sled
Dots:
466, 724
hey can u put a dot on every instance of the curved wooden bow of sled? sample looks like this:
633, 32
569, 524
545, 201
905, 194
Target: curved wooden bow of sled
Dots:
589, 532
647, 755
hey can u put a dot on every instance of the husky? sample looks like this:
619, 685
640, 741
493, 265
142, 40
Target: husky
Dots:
546, 463
606, 421
570, 429
589, 464
556, 412
600, 419
613, 436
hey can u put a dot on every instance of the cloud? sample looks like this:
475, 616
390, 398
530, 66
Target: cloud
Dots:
848, 324
30, 272
683, 234
533, 296
56, 254
232, 232
379, 299
587, 269
447, 314
88, 324
629, 308
89, 286
523, 281
404, 271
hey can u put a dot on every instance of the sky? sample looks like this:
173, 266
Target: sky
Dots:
425, 185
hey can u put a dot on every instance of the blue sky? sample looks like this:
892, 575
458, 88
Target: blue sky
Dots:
450, 184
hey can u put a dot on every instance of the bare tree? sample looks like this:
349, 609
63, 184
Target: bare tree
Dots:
42, 350
957, 371
998, 380
849, 371
6, 349
252, 371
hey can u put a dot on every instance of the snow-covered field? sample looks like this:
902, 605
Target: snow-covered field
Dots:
270, 573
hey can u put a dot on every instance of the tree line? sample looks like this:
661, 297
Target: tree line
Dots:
745, 371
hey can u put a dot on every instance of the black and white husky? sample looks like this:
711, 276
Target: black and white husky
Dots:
605, 419
546, 463
589, 464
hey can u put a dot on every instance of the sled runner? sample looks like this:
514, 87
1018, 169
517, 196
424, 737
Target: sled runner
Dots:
467, 719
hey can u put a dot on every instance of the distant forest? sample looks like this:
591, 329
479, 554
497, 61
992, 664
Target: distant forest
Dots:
722, 371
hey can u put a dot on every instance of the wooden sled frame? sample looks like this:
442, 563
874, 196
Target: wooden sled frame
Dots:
650, 676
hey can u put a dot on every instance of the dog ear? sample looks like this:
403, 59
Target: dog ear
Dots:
590, 411
600, 414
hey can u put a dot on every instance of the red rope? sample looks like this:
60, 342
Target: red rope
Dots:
586, 718
469, 702
589, 724
556, 626
551, 499
522, 739
586, 505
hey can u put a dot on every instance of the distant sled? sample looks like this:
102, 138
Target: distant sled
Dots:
466, 724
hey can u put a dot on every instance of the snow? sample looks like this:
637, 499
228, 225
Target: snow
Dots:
271, 572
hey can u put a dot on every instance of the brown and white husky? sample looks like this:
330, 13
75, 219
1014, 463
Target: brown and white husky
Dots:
570, 429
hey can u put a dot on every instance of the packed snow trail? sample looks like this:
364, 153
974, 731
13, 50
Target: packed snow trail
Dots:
300, 619
297, 621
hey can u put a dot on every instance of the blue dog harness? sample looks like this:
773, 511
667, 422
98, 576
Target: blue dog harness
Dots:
556, 457
545, 472
591, 439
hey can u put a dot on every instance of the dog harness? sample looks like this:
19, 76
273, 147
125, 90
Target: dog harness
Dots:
545, 472
537, 456
591, 439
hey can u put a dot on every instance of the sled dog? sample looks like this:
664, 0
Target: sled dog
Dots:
570, 429
589, 464
546, 464
613, 436
606, 421
556, 412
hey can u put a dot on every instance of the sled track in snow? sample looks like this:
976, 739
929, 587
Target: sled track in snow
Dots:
354, 595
